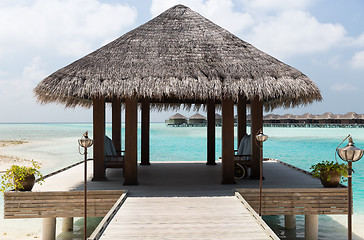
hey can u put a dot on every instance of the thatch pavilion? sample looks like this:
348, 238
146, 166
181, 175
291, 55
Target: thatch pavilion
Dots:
179, 57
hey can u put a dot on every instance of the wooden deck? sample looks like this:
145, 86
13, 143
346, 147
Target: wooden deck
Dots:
186, 218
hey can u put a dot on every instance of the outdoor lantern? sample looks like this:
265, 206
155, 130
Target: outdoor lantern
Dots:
85, 142
261, 138
350, 154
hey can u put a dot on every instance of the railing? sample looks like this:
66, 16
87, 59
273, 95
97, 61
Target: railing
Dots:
298, 201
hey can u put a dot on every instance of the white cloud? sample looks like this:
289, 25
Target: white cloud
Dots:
220, 12
275, 5
358, 60
62, 23
295, 32
341, 87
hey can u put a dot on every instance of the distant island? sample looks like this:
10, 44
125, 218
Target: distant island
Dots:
350, 119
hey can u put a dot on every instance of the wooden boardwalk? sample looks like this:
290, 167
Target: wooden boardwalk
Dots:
185, 218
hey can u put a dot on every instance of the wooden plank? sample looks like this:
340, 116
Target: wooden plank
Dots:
58, 204
227, 141
298, 201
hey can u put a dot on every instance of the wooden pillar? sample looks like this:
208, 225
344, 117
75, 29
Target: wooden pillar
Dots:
99, 139
145, 159
256, 125
131, 131
211, 132
241, 119
228, 141
116, 125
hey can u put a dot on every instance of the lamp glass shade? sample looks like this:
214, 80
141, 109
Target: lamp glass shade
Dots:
85, 141
261, 137
350, 152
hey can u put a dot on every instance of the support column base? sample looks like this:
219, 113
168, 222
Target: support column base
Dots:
144, 164
67, 224
211, 163
311, 227
99, 179
290, 221
49, 228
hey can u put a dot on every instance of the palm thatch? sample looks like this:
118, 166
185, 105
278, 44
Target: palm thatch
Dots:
178, 57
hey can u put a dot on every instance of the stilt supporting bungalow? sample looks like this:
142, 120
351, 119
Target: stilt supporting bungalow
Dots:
131, 130
241, 119
49, 228
99, 135
290, 221
145, 160
116, 124
227, 141
256, 125
67, 224
211, 132
311, 227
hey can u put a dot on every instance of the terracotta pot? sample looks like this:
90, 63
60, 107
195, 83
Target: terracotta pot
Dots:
27, 183
334, 181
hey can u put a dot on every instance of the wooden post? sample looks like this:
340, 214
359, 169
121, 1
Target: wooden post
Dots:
228, 141
210, 132
256, 125
241, 119
145, 159
49, 228
131, 130
99, 138
116, 124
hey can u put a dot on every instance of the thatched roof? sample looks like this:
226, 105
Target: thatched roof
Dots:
178, 57
198, 116
177, 116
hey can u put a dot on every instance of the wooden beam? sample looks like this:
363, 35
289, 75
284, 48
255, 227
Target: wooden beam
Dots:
99, 136
241, 119
145, 159
211, 132
228, 141
256, 125
131, 130
116, 125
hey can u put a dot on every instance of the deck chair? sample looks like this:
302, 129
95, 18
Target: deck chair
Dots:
242, 158
112, 159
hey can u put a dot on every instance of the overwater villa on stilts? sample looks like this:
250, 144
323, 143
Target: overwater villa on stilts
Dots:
181, 58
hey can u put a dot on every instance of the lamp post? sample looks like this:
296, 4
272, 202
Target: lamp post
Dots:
261, 138
350, 154
85, 142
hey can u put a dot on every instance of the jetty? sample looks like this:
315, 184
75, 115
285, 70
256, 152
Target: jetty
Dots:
180, 198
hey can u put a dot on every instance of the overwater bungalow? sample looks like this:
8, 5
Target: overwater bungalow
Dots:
218, 119
137, 70
197, 120
177, 120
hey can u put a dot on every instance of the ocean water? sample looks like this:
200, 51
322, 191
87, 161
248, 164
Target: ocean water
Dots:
56, 146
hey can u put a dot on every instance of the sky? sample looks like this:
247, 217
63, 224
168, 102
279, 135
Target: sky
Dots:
322, 38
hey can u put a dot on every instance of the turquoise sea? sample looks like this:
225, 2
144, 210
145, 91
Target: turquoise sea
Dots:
55, 144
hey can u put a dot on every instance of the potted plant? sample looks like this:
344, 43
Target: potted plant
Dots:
21, 178
330, 173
